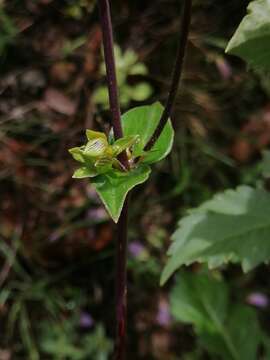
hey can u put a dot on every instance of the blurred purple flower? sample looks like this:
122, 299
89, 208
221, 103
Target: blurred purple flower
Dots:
86, 321
258, 299
97, 214
224, 68
55, 235
163, 316
136, 248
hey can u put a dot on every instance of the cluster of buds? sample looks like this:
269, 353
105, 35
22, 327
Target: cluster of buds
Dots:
98, 156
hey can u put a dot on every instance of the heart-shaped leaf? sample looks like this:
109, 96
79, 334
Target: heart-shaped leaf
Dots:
113, 187
143, 121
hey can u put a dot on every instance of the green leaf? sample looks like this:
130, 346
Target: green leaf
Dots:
113, 187
143, 121
91, 135
141, 91
192, 298
264, 165
229, 331
84, 172
101, 96
124, 143
138, 69
233, 226
126, 64
252, 38
244, 328
129, 58
77, 154
103, 165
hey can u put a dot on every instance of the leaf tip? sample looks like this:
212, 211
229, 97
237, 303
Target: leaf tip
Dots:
164, 277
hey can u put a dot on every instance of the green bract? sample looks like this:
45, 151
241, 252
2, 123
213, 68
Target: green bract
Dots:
99, 161
97, 156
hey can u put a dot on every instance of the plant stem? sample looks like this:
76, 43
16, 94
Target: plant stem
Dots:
121, 284
107, 33
121, 252
177, 72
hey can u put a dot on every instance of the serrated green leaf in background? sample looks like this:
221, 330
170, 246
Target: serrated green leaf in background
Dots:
251, 40
229, 331
232, 227
113, 187
143, 121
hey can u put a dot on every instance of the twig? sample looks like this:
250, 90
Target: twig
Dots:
177, 72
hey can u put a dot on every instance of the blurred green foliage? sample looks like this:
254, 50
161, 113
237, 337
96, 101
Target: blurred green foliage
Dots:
63, 341
127, 64
227, 329
77, 9
8, 30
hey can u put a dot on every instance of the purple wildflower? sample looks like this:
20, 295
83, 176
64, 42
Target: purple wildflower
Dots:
86, 321
136, 248
224, 68
163, 317
257, 299
97, 214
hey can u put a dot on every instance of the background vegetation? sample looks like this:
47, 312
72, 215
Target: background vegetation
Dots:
56, 246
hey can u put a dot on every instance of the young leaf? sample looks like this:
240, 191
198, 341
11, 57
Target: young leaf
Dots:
228, 331
113, 187
124, 143
91, 135
103, 165
84, 172
233, 226
143, 121
77, 154
252, 38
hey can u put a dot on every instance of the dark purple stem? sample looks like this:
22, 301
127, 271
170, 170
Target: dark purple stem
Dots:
107, 33
121, 274
177, 72
121, 285
121, 256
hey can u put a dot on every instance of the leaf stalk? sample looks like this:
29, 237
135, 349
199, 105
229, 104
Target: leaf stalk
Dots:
177, 72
